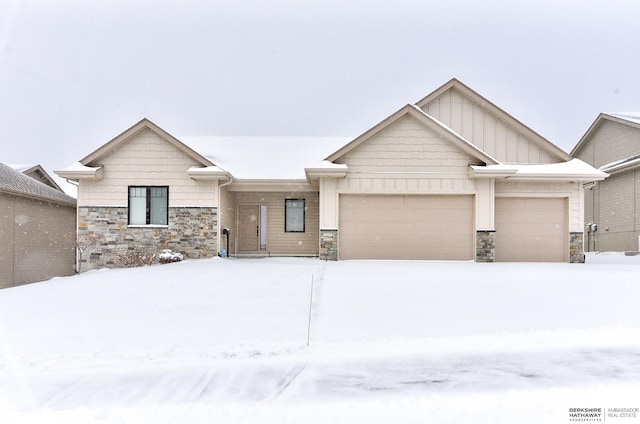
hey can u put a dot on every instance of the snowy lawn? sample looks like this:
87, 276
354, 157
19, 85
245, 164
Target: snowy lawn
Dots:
225, 340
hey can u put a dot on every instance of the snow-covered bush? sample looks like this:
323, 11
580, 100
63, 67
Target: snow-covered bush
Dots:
167, 256
136, 257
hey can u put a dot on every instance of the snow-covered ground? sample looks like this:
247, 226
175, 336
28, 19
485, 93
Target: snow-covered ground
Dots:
225, 340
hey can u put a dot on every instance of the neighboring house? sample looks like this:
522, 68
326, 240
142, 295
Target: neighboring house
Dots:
37, 230
452, 177
612, 206
38, 173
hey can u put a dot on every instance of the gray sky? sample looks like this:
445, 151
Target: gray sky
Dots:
74, 74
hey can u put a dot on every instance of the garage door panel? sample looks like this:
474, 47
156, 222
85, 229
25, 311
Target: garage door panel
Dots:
531, 229
406, 227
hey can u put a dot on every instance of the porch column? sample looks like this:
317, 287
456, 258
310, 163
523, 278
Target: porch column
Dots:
328, 219
485, 220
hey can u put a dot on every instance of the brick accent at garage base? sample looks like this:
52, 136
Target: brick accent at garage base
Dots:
486, 246
192, 231
329, 244
576, 248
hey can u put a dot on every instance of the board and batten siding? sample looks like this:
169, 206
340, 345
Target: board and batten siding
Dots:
280, 242
147, 159
493, 136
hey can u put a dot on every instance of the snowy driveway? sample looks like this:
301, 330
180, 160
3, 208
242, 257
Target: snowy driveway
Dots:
196, 338
300, 379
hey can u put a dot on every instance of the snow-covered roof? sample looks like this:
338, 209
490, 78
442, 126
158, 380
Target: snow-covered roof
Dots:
265, 158
573, 170
627, 116
78, 170
619, 165
15, 182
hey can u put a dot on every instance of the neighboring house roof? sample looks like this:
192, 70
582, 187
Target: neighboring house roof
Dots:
497, 112
37, 172
626, 118
19, 184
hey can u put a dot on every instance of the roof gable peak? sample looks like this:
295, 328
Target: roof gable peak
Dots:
495, 111
131, 132
424, 119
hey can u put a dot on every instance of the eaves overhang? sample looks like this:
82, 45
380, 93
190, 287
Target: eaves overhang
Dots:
78, 171
208, 173
571, 171
326, 169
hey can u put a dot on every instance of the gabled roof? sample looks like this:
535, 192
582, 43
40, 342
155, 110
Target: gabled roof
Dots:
37, 172
17, 183
631, 119
498, 113
426, 120
94, 157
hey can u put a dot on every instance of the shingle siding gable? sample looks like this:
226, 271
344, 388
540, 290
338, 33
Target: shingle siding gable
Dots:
146, 159
406, 146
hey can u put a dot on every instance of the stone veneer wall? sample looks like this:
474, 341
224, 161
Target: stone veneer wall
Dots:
576, 248
192, 231
329, 244
486, 246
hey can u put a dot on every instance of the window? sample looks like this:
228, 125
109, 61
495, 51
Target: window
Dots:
294, 215
148, 205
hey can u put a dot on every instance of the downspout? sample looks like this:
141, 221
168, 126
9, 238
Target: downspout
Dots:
75, 231
219, 232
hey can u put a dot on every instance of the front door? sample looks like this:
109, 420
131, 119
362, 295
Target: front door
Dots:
248, 228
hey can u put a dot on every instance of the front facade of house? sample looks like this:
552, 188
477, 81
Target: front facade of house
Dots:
452, 177
37, 227
612, 218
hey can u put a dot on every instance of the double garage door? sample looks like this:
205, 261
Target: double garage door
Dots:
442, 228
406, 227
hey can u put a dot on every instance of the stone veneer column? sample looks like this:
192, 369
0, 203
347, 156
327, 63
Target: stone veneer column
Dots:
576, 248
486, 246
329, 244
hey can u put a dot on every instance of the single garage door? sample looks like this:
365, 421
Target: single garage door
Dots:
531, 230
406, 227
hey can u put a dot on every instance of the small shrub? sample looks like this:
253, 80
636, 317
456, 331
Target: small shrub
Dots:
167, 256
136, 257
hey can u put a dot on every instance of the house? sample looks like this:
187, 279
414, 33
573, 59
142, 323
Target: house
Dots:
452, 177
37, 230
38, 173
612, 210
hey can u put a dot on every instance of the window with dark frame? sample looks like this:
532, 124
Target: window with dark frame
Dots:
294, 215
148, 205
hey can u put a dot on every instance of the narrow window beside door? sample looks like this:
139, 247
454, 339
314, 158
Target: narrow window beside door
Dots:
148, 205
294, 215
